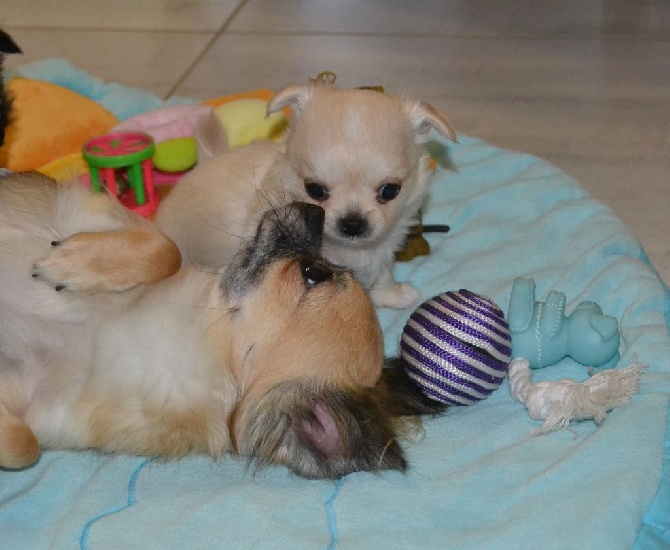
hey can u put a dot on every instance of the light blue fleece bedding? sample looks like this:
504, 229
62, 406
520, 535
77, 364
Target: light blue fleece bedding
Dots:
476, 480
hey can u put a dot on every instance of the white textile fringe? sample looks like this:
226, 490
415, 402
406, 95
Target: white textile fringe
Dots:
557, 403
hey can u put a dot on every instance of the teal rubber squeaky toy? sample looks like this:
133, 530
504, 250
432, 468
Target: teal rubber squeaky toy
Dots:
543, 335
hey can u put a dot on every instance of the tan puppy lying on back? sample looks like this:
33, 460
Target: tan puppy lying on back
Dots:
276, 358
356, 153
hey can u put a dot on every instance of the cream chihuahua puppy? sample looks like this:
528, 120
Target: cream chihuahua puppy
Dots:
278, 357
356, 153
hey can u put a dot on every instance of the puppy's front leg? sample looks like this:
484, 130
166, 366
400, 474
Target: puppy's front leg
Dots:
109, 260
386, 292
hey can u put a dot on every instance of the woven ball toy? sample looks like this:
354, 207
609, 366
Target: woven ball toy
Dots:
456, 347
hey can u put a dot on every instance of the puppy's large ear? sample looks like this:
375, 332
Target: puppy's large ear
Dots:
331, 432
295, 97
7, 44
348, 432
319, 434
423, 117
211, 138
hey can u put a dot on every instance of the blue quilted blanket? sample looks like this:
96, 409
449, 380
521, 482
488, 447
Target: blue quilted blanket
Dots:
477, 480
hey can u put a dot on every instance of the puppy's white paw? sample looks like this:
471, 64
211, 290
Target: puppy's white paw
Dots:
396, 296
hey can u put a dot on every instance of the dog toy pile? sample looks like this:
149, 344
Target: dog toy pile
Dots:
456, 347
55, 148
542, 335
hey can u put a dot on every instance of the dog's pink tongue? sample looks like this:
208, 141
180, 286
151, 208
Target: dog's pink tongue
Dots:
323, 433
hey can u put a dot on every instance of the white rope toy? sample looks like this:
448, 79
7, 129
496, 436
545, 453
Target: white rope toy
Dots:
557, 403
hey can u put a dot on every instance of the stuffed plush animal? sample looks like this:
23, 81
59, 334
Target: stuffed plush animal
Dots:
543, 335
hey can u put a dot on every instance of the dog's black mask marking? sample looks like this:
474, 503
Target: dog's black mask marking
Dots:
291, 231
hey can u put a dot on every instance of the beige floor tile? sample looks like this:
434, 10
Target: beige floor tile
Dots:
182, 15
490, 68
460, 17
153, 61
621, 131
238, 62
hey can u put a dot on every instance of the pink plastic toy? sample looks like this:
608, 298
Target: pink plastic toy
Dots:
124, 158
167, 123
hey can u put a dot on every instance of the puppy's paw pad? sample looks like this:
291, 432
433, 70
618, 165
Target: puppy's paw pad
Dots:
68, 267
398, 296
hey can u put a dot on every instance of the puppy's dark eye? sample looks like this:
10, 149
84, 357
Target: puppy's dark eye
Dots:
316, 191
313, 273
388, 192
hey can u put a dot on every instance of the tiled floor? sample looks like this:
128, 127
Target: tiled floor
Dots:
582, 83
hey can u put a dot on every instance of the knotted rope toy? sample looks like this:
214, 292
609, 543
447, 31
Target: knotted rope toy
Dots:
456, 347
557, 403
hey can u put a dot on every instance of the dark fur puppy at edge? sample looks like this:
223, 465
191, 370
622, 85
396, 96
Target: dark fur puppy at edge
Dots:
7, 46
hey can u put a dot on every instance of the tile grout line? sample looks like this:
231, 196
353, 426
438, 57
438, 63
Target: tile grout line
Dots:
206, 49
144, 30
350, 34
456, 36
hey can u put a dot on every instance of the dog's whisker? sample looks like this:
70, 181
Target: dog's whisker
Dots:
383, 453
193, 306
216, 321
221, 229
246, 370
202, 269
282, 187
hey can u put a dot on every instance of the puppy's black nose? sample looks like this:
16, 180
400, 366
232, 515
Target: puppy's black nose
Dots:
353, 225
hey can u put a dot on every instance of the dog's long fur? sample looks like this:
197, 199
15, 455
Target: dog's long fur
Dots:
277, 358
354, 145
7, 46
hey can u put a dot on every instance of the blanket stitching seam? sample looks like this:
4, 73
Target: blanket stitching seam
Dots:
132, 498
330, 512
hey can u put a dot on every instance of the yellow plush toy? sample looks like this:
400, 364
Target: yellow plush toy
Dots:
245, 121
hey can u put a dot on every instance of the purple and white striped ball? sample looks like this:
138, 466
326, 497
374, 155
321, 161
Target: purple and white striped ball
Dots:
457, 347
